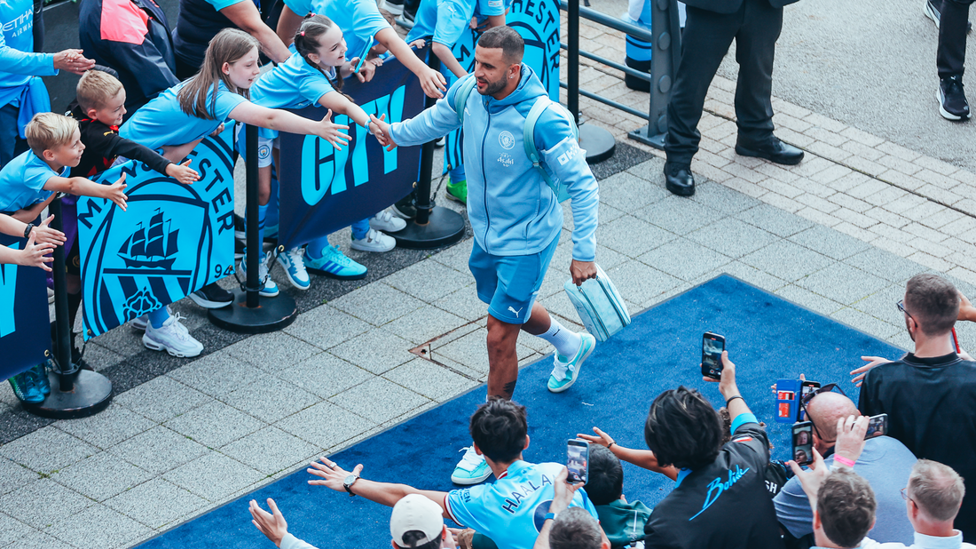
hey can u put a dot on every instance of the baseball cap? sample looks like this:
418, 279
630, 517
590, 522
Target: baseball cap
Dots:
416, 512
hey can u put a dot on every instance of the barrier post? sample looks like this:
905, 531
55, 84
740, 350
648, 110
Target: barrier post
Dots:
664, 62
74, 392
598, 143
434, 226
250, 313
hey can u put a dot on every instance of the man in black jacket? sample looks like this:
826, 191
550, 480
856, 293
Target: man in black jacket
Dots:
710, 28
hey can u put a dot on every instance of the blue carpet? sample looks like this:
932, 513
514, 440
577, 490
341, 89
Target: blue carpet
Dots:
768, 338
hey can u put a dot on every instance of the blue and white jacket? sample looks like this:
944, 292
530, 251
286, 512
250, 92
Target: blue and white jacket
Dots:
511, 209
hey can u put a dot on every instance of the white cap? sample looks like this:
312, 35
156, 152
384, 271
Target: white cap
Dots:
416, 512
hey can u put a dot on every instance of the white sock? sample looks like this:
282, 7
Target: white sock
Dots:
566, 341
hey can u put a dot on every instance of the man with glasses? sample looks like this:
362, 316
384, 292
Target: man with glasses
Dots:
929, 394
932, 499
885, 463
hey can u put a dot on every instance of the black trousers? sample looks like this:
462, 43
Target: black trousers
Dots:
953, 23
755, 27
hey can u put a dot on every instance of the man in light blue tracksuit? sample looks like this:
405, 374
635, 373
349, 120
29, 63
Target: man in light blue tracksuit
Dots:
515, 215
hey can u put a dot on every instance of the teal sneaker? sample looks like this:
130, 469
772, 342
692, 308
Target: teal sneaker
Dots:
26, 388
269, 288
41, 372
291, 261
334, 264
472, 468
458, 192
565, 372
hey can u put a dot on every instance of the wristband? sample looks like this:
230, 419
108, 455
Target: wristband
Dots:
843, 461
551, 516
27, 231
733, 398
610, 445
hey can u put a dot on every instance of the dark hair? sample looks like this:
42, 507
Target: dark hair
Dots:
410, 537
682, 429
499, 427
574, 528
307, 42
846, 505
933, 302
506, 38
229, 46
606, 476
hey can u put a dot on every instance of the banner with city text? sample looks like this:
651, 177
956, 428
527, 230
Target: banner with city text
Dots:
172, 240
25, 332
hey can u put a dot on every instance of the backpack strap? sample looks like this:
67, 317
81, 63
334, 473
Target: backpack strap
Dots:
528, 141
461, 97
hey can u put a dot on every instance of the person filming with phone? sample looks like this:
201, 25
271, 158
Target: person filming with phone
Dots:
884, 462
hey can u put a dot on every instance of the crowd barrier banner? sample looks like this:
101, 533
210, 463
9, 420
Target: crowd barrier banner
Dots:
537, 21
173, 239
323, 189
25, 332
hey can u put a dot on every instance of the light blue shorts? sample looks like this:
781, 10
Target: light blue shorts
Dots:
510, 284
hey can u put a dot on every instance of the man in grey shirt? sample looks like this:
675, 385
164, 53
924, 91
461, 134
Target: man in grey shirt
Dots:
885, 463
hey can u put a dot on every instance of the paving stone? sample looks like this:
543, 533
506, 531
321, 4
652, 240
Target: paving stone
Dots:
605, 214
100, 358
270, 450
14, 475
272, 352
161, 399
786, 260
101, 476
325, 425
732, 237
885, 264
641, 284
325, 375
456, 257
684, 259
214, 424
12, 530
363, 400
35, 539
865, 322
842, 283
433, 381
774, 220
424, 324
214, 476
158, 450
749, 274
830, 243
463, 303
98, 527
217, 373
41, 503
722, 198
428, 280
61, 450
376, 351
108, 427
156, 503
325, 327
805, 298
377, 304
631, 236
270, 399
679, 215
627, 192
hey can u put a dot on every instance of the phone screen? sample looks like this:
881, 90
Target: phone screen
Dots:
712, 347
577, 458
803, 442
806, 388
877, 426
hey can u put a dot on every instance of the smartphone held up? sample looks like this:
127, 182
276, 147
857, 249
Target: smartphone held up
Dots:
712, 347
577, 460
803, 442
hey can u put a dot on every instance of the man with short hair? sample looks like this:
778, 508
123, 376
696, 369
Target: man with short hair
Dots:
885, 463
929, 394
510, 510
515, 215
416, 523
567, 527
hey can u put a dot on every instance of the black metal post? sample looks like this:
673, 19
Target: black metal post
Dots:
250, 313
74, 392
598, 143
664, 62
433, 226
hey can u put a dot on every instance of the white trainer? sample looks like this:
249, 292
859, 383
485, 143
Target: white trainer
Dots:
386, 221
374, 241
173, 337
269, 289
472, 469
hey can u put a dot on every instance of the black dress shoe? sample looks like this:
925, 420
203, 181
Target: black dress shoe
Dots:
773, 150
678, 179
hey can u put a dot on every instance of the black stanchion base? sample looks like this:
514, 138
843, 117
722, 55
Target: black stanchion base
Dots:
92, 393
271, 314
598, 143
655, 140
444, 227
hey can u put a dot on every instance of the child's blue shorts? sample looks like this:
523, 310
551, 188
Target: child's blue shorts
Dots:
509, 284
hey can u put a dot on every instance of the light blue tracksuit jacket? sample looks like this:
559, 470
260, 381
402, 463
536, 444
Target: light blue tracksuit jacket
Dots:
511, 209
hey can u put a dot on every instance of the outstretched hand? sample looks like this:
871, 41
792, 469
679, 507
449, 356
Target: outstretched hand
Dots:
116, 192
433, 82
601, 438
859, 373
44, 234
72, 61
271, 524
182, 172
381, 130
331, 474
35, 255
329, 131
